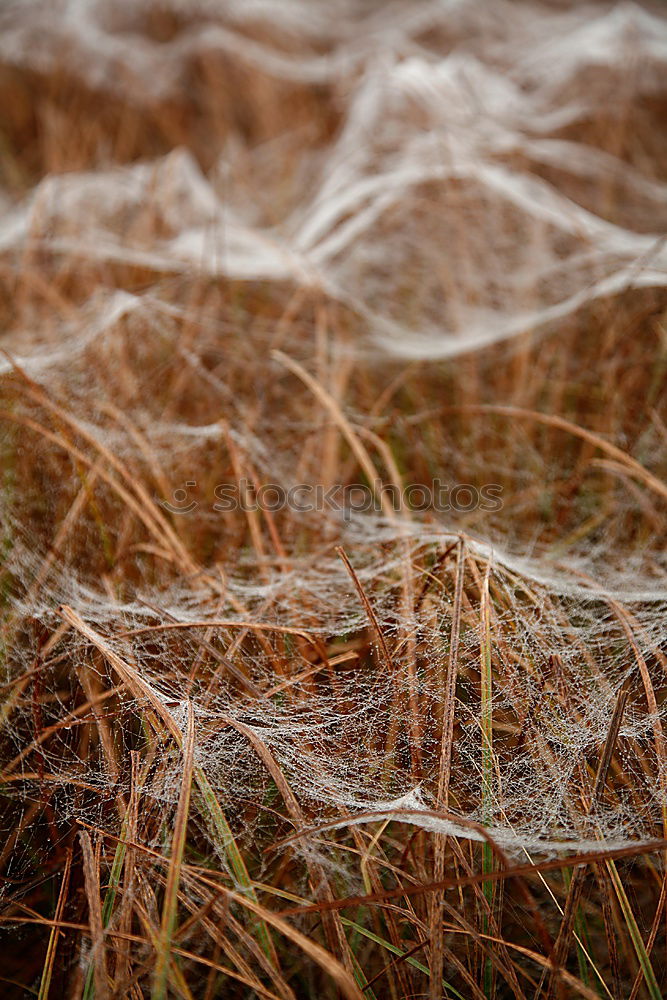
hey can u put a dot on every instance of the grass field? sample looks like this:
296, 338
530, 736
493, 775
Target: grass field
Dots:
333, 516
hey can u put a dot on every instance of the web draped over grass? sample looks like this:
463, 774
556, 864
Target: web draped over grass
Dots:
298, 243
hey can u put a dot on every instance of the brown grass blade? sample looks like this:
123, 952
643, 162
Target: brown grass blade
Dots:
92, 883
368, 607
49, 961
444, 772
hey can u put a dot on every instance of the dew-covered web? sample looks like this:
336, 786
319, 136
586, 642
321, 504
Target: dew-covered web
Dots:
396, 231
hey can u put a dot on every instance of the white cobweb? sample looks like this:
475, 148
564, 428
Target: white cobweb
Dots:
469, 196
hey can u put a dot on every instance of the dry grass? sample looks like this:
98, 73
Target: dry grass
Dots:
280, 754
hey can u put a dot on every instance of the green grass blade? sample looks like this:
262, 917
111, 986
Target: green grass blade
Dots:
170, 904
635, 934
388, 946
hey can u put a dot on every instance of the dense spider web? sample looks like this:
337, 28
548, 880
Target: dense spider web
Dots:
474, 196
